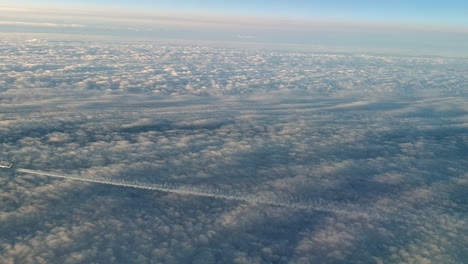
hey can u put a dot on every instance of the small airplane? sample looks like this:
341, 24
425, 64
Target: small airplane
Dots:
6, 166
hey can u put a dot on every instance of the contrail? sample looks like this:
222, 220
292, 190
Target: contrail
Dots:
319, 205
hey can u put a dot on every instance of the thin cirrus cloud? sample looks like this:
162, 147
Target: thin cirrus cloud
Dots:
39, 24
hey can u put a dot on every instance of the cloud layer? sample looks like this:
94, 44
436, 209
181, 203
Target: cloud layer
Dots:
375, 134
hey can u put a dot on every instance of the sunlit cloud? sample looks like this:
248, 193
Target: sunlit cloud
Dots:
173, 151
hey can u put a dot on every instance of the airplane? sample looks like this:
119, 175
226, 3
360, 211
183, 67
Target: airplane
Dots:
6, 166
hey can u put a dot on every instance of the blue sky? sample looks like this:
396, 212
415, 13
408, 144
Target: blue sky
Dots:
417, 26
417, 12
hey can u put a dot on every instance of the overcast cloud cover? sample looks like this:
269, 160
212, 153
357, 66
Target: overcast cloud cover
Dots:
380, 142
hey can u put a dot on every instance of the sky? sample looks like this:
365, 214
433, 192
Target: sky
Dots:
431, 12
399, 27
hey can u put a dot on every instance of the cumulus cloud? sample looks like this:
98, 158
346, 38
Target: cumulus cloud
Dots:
234, 122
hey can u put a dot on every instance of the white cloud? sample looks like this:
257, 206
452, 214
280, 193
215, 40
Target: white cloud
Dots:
399, 158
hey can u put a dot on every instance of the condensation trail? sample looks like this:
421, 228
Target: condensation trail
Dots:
320, 205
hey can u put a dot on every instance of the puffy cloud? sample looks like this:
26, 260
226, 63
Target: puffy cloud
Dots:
388, 173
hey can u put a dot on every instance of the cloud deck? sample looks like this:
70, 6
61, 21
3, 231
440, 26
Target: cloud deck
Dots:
343, 129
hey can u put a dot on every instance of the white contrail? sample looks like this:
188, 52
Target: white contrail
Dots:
219, 194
